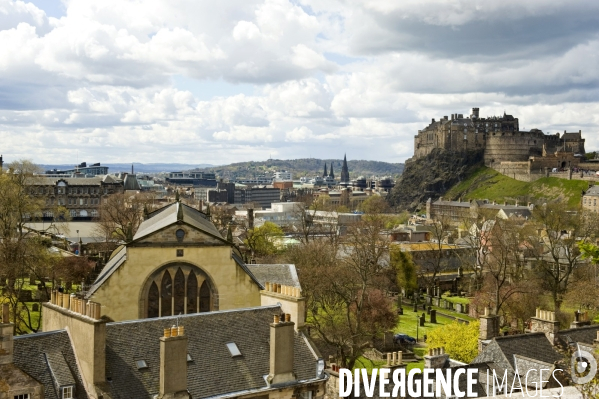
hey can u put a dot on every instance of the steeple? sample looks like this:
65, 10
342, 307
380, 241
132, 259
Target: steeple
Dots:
325, 170
332, 175
344, 171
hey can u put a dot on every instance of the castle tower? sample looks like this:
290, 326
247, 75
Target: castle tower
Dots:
332, 175
325, 170
344, 171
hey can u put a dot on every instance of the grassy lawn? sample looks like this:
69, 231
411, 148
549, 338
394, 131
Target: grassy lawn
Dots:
456, 299
489, 184
364, 363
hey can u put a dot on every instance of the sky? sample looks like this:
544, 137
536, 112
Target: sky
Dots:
215, 82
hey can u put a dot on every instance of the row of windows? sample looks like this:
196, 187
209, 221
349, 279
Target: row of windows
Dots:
584, 201
73, 201
71, 190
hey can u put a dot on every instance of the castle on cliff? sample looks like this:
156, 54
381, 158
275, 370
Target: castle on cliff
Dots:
506, 148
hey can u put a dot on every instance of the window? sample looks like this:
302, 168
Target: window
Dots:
179, 252
141, 364
233, 349
22, 396
306, 395
67, 392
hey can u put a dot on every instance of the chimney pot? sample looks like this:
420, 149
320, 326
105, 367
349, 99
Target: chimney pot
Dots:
5, 313
173, 331
389, 354
181, 331
167, 332
276, 319
399, 357
393, 358
287, 317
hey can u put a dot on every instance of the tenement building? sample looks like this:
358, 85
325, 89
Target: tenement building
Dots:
81, 196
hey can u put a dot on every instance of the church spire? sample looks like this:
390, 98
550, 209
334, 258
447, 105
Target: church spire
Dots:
325, 170
332, 174
344, 171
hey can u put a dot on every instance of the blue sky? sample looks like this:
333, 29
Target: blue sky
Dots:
192, 81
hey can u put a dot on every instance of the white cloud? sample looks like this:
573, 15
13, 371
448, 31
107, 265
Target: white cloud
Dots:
329, 76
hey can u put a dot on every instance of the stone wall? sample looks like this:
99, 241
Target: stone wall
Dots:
512, 148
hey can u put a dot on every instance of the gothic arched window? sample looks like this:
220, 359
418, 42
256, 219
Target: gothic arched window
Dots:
153, 301
166, 293
192, 293
179, 285
178, 288
205, 297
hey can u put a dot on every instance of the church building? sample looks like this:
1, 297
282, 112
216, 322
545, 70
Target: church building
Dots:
178, 263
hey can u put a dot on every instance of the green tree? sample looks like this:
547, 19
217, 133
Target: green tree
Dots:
262, 240
405, 268
459, 340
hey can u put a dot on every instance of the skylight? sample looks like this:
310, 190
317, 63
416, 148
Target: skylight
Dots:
233, 349
141, 364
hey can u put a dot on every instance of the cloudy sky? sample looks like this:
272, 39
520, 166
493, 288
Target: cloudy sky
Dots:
215, 82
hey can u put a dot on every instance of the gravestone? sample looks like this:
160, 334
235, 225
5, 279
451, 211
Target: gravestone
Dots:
415, 307
428, 310
458, 308
35, 307
433, 316
422, 320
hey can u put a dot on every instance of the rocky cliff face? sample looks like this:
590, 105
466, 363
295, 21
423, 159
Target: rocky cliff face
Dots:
432, 176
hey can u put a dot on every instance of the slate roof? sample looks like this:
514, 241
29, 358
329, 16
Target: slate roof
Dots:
213, 371
169, 215
118, 257
533, 346
583, 335
130, 183
594, 190
31, 355
280, 274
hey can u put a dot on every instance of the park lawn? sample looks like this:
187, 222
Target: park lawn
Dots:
365, 363
456, 299
408, 322
454, 314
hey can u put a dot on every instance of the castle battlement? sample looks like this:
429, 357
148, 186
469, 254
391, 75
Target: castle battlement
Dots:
499, 137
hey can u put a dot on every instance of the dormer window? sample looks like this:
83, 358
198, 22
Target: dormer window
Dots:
67, 392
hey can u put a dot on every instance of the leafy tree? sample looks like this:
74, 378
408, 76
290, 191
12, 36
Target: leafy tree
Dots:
405, 268
375, 204
262, 240
459, 340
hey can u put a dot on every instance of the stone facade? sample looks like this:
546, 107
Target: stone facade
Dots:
502, 141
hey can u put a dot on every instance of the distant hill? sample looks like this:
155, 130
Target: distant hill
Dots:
138, 167
306, 167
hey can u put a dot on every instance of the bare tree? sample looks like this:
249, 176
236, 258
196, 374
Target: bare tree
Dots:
121, 214
346, 306
554, 245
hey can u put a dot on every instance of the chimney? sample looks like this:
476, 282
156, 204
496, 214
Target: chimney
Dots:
436, 358
173, 364
544, 321
6, 343
281, 350
581, 319
5, 313
489, 329
250, 218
